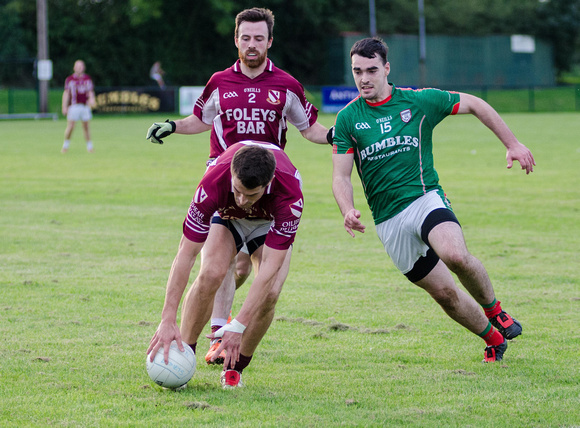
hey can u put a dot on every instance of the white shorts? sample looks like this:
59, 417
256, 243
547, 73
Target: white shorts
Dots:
248, 234
245, 249
401, 235
78, 112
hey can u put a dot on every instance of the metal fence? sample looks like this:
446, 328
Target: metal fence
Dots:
15, 101
490, 61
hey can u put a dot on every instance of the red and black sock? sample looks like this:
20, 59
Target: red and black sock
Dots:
491, 336
493, 309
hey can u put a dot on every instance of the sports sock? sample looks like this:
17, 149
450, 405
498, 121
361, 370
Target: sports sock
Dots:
242, 363
492, 309
193, 346
217, 323
491, 336
66, 144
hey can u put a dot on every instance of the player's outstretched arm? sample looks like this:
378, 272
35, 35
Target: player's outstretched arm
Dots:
316, 133
176, 284
189, 125
470, 104
343, 193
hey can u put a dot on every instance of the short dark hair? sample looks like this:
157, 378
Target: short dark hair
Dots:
254, 166
370, 47
256, 14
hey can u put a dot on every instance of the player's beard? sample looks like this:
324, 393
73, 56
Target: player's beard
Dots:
254, 62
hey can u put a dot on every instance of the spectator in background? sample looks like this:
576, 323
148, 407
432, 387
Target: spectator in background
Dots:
77, 100
156, 73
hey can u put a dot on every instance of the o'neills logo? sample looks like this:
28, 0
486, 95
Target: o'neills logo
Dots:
406, 115
273, 97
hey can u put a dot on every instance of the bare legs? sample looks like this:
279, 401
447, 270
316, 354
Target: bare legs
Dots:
448, 242
215, 265
68, 133
239, 270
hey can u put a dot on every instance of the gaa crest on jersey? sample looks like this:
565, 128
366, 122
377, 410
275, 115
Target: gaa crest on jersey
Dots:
200, 195
297, 207
406, 115
273, 97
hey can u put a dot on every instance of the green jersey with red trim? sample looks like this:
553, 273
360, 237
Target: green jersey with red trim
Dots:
393, 147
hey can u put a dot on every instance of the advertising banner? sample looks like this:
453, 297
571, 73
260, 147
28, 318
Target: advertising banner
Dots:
134, 100
334, 98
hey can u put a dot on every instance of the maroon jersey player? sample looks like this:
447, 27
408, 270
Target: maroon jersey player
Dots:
77, 99
253, 99
280, 205
79, 85
240, 108
257, 192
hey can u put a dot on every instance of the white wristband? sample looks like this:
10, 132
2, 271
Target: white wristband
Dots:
233, 326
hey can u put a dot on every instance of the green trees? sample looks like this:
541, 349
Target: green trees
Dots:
120, 39
559, 21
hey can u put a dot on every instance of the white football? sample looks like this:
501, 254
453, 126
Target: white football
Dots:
178, 372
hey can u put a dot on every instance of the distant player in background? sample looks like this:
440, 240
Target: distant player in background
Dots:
252, 100
257, 193
387, 132
156, 73
77, 100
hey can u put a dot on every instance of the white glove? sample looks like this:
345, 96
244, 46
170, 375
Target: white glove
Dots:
157, 131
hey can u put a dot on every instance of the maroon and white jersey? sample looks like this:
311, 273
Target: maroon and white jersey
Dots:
282, 201
79, 87
240, 108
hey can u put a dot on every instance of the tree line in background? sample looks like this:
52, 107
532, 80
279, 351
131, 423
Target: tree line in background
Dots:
120, 39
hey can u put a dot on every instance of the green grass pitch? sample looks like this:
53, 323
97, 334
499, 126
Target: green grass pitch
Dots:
87, 241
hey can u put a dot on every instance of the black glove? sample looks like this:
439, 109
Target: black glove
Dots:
330, 135
157, 131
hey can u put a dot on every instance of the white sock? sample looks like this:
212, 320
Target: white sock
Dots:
219, 321
89, 145
66, 144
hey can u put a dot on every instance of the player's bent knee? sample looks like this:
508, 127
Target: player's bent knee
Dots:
210, 280
447, 298
271, 300
243, 272
457, 261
